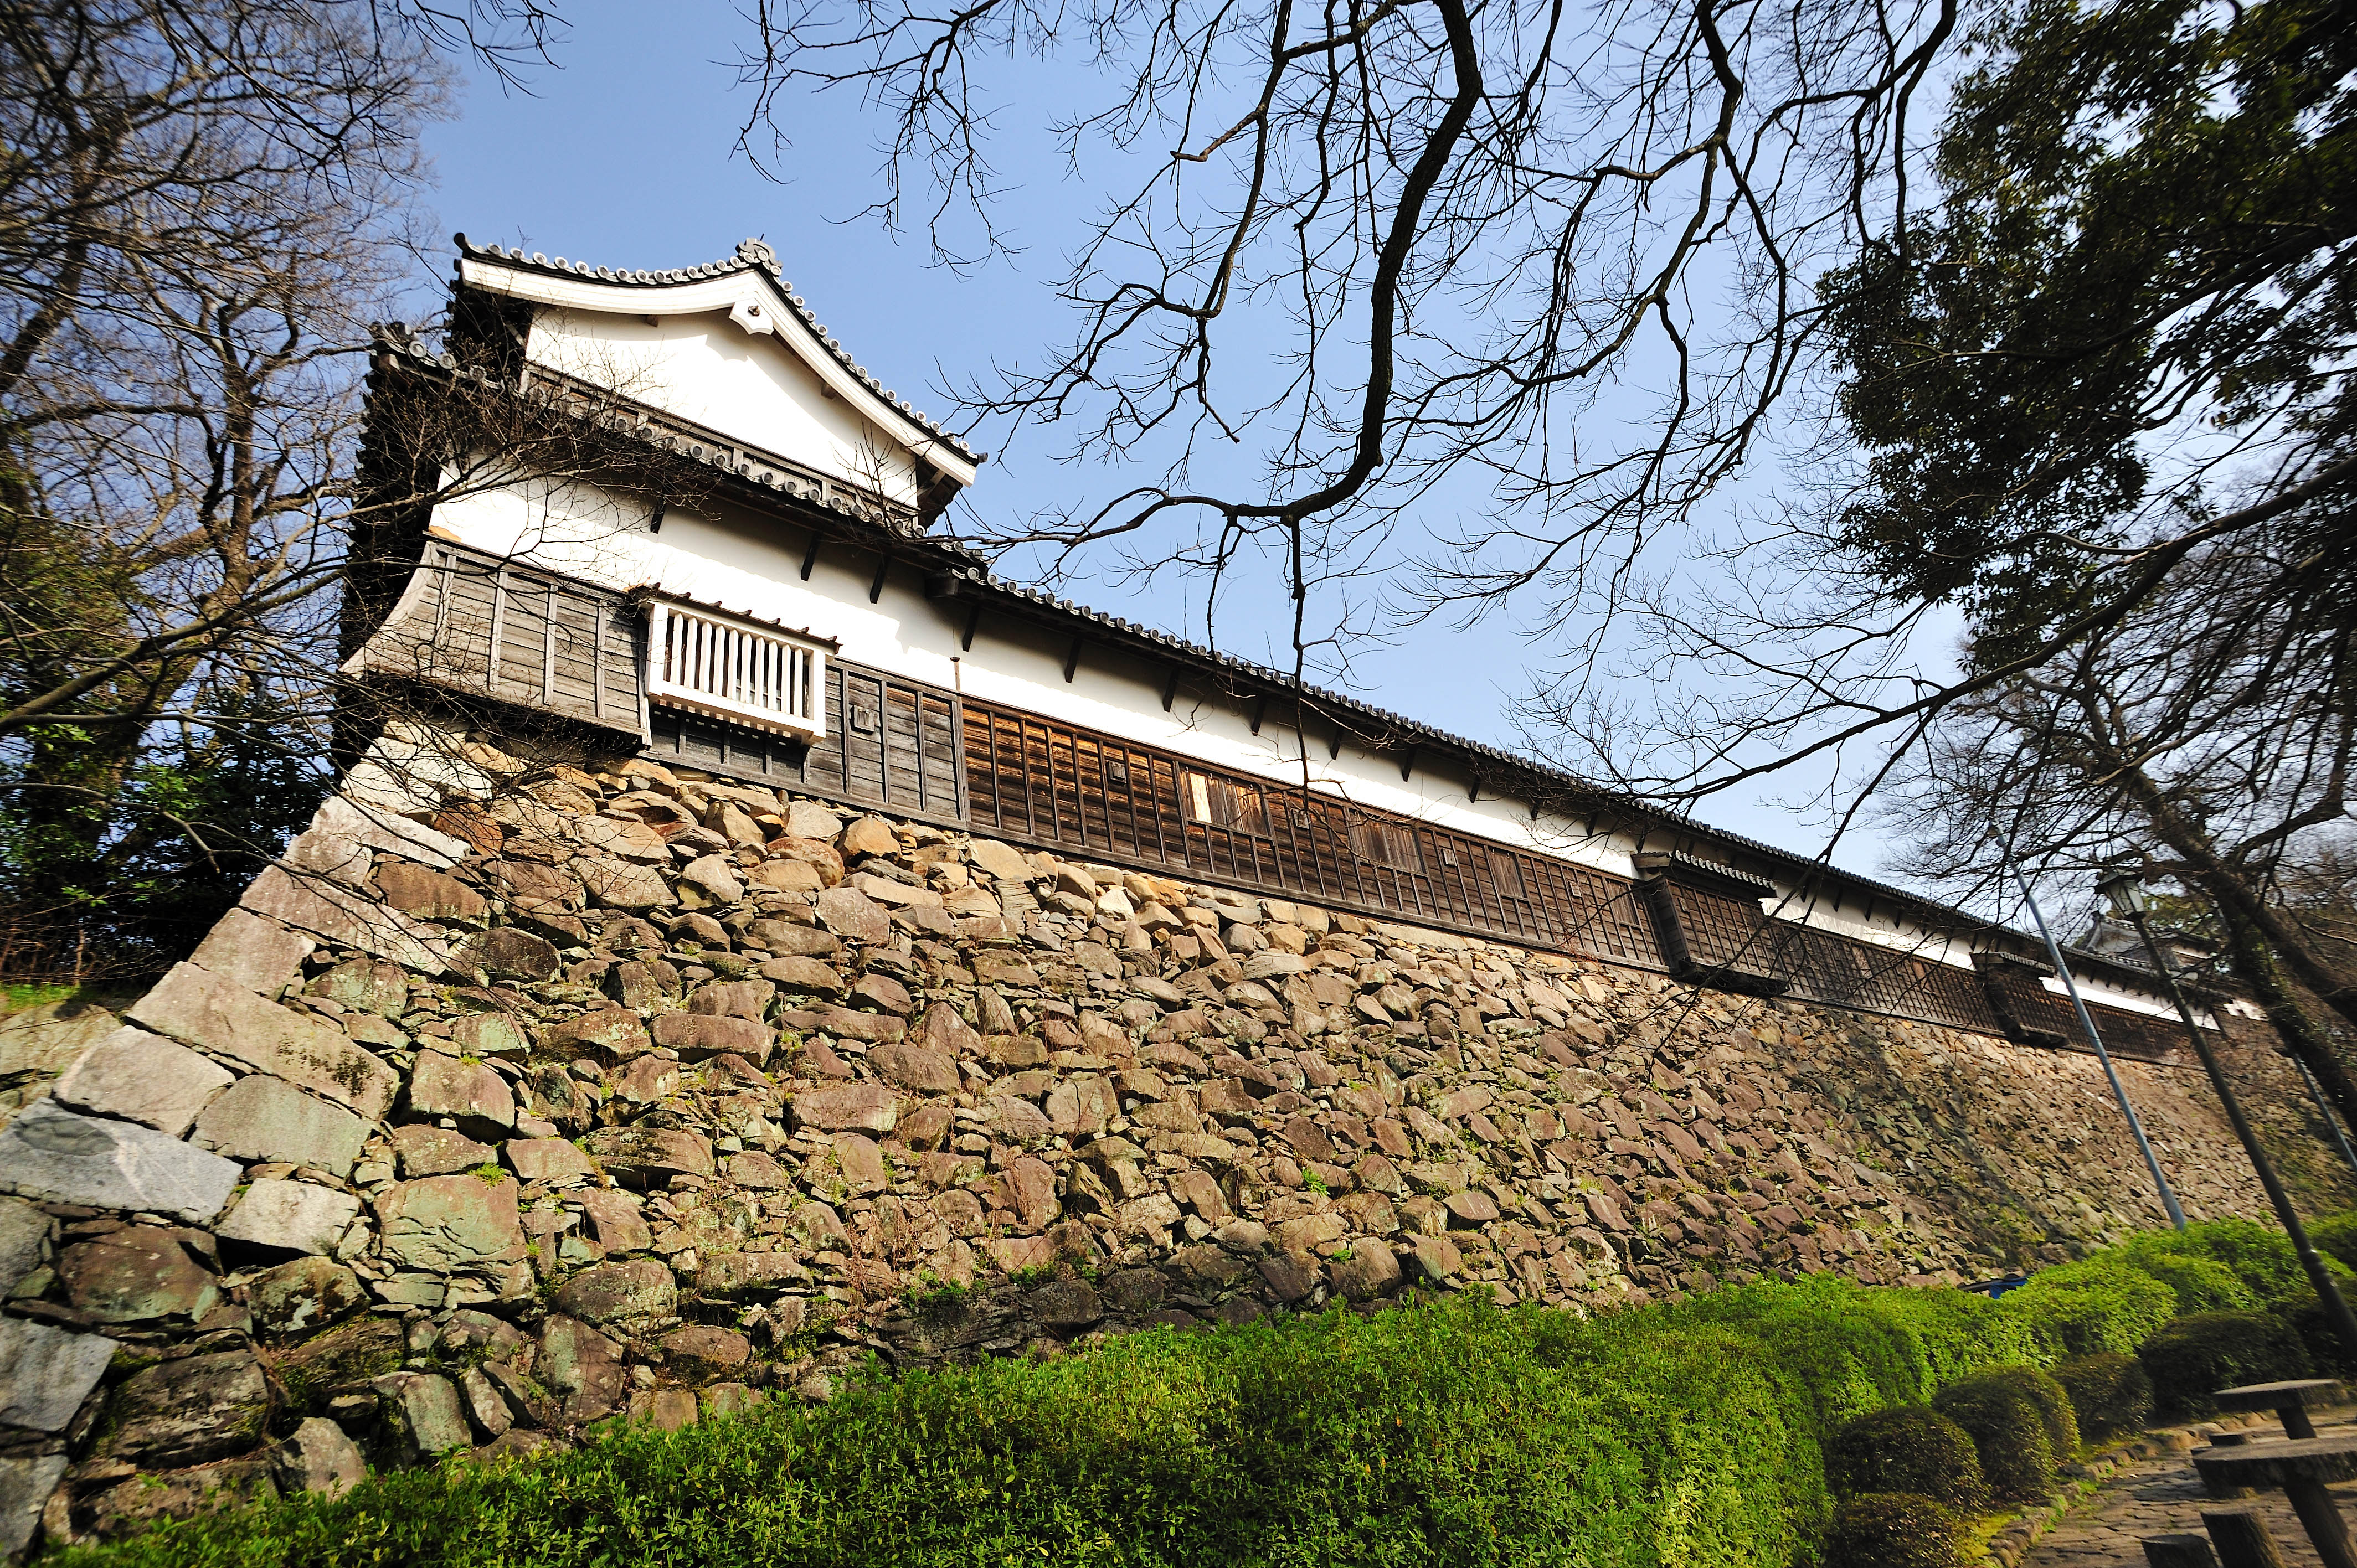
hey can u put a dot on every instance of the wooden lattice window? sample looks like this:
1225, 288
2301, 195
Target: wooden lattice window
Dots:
1389, 844
1507, 873
1218, 802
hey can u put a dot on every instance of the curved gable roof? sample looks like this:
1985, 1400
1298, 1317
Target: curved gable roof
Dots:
748, 286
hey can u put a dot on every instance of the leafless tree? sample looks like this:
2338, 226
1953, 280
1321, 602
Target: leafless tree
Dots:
203, 203
1353, 266
2209, 738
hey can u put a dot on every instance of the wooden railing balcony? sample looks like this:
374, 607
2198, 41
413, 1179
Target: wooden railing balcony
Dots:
739, 670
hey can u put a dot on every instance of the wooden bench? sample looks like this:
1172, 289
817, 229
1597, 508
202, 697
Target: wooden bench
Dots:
2291, 1402
2301, 1469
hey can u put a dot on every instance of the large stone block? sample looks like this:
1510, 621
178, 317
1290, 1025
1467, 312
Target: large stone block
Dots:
642, 1156
847, 912
261, 955
46, 1373
725, 1274
423, 1415
915, 1069
368, 984
287, 1217
317, 1457
335, 913
26, 1482
616, 1293
42, 1042
188, 1412
845, 1022
700, 1354
142, 1078
607, 1036
505, 952
52, 1154
25, 1236
342, 1360
429, 893
142, 1273
452, 1224
343, 833
623, 885
267, 1117
581, 1364
202, 1009
428, 1151
1003, 862
695, 1035
549, 1160
304, 1295
854, 1107
470, 1093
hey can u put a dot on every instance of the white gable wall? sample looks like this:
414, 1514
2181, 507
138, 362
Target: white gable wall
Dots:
707, 368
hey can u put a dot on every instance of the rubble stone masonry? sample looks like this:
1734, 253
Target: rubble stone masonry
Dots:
586, 1089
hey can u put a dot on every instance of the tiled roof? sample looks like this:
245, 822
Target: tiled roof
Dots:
752, 255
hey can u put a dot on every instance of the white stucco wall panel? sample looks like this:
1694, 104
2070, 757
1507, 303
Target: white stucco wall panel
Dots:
755, 388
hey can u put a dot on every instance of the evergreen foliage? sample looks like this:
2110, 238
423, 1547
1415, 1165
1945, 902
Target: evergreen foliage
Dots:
2110, 1393
2194, 1357
1892, 1530
1700, 1431
1912, 1449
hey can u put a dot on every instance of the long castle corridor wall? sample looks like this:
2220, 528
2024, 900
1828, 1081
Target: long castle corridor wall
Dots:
533, 1091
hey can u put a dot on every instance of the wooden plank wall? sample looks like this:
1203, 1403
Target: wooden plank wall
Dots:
890, 743
1088, 794
1091, 795
477, 624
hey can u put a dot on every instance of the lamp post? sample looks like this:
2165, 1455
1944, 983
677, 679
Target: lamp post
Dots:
2124, 891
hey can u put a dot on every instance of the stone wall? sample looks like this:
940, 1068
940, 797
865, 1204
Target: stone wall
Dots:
584, 1090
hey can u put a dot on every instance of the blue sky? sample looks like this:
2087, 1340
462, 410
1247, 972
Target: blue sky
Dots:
624, 155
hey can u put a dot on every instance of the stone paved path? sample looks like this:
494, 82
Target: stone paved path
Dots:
2164, 1497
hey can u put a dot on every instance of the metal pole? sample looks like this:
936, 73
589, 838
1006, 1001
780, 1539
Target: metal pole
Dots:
2324, 1108
2119, 1090
2336, 1311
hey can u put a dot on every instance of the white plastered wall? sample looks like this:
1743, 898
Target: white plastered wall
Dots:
707, 368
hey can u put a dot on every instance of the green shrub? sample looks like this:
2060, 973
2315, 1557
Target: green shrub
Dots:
2200, 1285
2097, 1304
1892, 1530
2053, 1403
2110, 1393
2010, 1430
2305, 1315
2193, 1358
2336, 1238
1912, 1448
1431, 1435
1696, 1432
2260, 1256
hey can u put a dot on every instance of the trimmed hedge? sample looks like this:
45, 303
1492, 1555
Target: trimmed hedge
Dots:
1912, 1449
1692, 1432
2109, 1393
2194, 1357
2102, 1303
2013, 1431
1892, 1530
